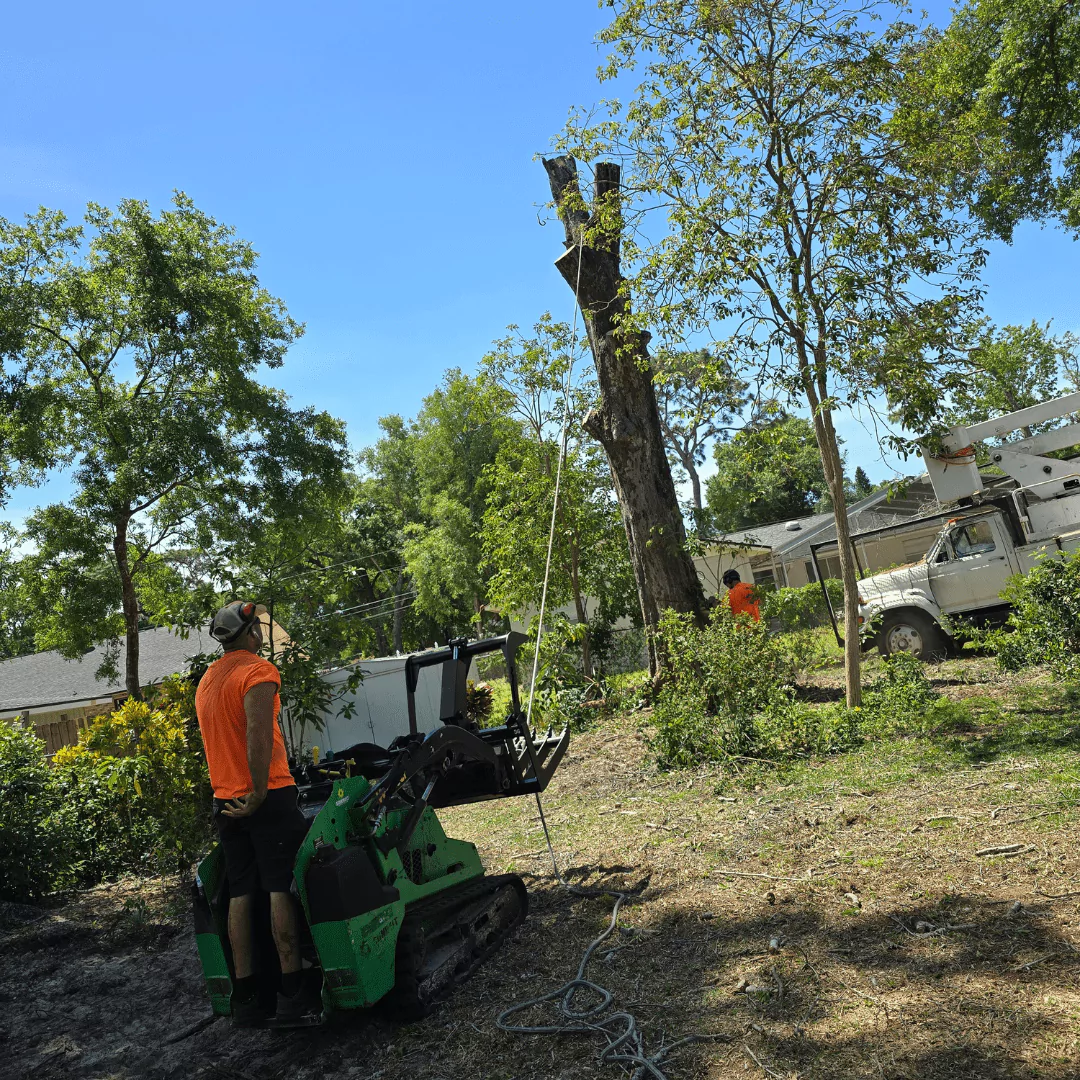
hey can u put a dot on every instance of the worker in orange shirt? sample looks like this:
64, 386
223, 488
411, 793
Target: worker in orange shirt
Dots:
741, 598
255, 808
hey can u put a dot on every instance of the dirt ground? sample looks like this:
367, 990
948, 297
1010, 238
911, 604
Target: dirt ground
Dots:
831, 920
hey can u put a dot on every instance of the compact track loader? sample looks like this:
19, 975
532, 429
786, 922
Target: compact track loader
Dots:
395, 909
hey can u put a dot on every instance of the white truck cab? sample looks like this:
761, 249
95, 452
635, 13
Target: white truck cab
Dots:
914, 608
990, 538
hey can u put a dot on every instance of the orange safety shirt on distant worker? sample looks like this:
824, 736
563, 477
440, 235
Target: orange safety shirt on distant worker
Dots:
219, 705
743, 601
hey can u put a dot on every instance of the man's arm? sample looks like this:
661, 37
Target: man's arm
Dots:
259, 710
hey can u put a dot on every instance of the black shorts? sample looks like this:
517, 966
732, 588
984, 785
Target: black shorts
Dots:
260, 850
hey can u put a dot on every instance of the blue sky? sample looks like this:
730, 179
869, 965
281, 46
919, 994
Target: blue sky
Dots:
380, 157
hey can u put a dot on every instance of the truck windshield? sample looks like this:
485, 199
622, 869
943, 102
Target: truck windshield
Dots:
974, 539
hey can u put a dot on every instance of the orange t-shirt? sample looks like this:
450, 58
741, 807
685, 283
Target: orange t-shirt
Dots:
743, 601
219, 705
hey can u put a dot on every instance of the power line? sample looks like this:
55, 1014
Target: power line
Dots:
390, 599
345, 562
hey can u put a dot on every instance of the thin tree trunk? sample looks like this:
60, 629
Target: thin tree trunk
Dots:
829, 449
582, 617
626, 421
695, 485
399, 611
367, 592
130, 605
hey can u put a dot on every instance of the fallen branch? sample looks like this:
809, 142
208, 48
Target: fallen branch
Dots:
1045, 813
1055, 896
1032, 963
936, 929
192, 1029
767, 877
764, 1068
1002, 849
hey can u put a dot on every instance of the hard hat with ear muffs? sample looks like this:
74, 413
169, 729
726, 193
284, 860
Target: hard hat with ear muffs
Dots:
731, 577
235, 619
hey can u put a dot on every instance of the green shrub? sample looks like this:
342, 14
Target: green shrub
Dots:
789, 728
719, 678
562, 687
478, 703
901, 700
33, 838
137, 788
803, 608
1044, 626
616, 651
806, 651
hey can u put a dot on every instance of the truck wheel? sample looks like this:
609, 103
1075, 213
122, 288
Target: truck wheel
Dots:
914, 633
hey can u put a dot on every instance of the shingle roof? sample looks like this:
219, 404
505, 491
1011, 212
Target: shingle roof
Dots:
46, 678
774, 535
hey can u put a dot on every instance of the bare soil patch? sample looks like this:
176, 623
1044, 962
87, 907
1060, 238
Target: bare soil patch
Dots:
831, 920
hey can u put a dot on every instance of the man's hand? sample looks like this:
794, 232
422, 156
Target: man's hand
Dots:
244, 805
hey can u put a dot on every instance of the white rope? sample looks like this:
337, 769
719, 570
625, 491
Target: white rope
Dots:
555, 498
625, 1042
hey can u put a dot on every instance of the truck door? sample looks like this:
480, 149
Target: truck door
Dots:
976, 568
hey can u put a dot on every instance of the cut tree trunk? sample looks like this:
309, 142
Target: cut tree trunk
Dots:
626, 421
130, 605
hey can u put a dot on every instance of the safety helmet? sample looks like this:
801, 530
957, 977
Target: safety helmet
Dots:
235, 619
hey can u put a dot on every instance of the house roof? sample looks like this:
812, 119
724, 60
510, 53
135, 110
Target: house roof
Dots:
876, 509
774, 535
47, 678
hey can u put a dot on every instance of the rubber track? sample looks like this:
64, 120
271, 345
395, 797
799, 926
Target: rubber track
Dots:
434, 921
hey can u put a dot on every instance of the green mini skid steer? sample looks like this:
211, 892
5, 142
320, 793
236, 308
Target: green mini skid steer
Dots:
395, 909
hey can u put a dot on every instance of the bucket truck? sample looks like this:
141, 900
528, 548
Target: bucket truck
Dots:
991, 536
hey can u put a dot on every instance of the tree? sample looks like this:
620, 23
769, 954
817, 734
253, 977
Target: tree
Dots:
458, 433
626, 420
861, 485
699, 397
990, 107
1011, 368
759, 132
548, 395
29, 404
391, 487
151, 330
588, 557
17, 622
767, 472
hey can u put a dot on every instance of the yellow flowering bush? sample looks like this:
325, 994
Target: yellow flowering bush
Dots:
137, 787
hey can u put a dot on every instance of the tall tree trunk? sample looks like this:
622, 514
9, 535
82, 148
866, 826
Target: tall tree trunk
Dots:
829, 448
695, 485
367, 591
130, 604
626, 422
399, 611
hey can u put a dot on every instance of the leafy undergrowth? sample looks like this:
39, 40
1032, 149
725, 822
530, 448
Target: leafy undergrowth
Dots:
845, 892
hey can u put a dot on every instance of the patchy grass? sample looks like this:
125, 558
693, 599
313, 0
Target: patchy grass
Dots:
827, 919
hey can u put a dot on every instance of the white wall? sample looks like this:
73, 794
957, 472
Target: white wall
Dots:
381, 711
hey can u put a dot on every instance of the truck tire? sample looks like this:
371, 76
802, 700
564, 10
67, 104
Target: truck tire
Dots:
913, 632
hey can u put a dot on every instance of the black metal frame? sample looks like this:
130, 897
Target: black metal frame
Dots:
458, 762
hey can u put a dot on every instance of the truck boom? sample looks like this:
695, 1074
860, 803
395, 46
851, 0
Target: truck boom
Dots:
954, 474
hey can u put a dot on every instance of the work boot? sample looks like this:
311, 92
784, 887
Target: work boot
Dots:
248, 1013
304, 1006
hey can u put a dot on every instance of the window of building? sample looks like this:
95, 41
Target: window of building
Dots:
829, 565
